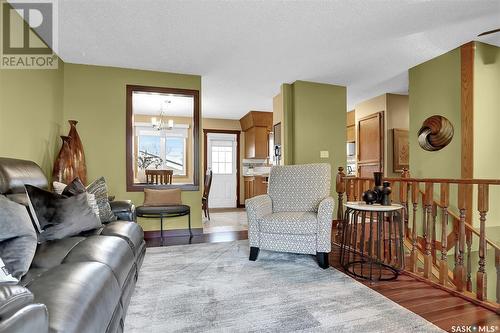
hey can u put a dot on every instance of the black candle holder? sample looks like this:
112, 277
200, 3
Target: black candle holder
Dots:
381, 192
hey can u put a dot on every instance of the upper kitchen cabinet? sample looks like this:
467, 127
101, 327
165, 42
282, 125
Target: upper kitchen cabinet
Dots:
257, 125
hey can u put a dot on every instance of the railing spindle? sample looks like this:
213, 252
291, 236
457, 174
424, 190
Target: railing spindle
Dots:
428, 219
403, 197
351, 190
497, 266
459, 272
414, 254
483, 207
468, 278
443, 264
433, 233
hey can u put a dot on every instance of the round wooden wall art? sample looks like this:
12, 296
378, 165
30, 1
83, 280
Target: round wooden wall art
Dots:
435, 134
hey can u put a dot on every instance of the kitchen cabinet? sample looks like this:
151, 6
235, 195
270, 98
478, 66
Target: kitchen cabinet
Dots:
257, 125
256, 143
255, 185
249, 186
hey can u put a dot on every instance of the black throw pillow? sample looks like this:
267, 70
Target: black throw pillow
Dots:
59, 216
74, 188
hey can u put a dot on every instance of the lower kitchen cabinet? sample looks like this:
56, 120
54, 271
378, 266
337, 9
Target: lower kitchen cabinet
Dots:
255, 185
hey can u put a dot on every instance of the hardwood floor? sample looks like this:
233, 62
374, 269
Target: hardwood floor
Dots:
214, 237
435, 305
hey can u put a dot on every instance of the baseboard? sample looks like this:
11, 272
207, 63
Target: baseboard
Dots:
151, 234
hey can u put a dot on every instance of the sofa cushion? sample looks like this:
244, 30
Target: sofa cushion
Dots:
52, 253
80, 297
109, 250
14, 174
294, 223
129, 231
59, 216
17, 237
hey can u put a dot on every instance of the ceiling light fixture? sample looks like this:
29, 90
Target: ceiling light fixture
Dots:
162, 123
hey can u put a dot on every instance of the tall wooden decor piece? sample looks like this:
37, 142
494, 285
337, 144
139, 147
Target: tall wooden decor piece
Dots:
63, 170
78, 156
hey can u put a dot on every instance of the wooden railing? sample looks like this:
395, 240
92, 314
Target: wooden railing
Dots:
429, 211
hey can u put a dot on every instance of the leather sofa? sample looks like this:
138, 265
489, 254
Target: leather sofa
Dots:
77, 284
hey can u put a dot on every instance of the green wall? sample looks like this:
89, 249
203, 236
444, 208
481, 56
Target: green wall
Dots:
434, 89
36, 104
95, 96
486, 122
31, 114
315, 117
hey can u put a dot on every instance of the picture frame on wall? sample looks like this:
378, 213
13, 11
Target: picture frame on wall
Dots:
401, 149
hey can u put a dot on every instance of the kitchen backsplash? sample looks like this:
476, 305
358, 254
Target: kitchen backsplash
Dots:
254, 167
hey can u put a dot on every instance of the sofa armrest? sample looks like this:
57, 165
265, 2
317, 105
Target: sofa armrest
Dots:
257, 207
124, 210
325, 217
18, 313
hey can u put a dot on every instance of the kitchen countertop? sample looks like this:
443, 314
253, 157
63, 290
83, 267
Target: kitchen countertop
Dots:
256, 175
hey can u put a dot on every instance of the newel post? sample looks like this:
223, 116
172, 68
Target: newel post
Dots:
340, 188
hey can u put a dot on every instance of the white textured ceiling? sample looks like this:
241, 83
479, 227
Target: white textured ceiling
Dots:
244, 50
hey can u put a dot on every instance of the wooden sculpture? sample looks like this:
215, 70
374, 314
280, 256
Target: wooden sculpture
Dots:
435, 134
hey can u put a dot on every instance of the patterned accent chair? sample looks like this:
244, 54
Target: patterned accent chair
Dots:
296, 214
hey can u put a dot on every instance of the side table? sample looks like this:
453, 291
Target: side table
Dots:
372, 241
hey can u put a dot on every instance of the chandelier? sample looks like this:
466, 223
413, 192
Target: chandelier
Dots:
162, 123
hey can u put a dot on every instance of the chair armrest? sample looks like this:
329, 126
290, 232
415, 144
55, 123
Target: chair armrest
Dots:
124, 210
18, 313
257, 207
325, 217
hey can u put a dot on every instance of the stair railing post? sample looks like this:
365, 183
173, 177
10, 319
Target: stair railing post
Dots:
340, 188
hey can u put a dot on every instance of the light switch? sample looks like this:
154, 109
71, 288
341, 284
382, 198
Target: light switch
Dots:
324, 154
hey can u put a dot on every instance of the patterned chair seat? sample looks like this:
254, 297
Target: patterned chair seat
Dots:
294, 223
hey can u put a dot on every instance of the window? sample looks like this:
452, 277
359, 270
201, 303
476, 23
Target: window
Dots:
222, 159
162, 151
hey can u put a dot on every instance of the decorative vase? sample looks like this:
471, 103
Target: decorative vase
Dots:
63, 170
369, 197
386, 192
377, 176
78, 156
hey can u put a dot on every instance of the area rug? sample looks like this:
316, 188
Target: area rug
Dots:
215, 288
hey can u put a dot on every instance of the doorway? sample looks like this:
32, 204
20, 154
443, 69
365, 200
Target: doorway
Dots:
222, 156
221, 159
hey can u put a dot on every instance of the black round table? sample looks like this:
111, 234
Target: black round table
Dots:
372, 241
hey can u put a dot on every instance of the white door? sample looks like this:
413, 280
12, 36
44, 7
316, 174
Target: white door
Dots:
221, 151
